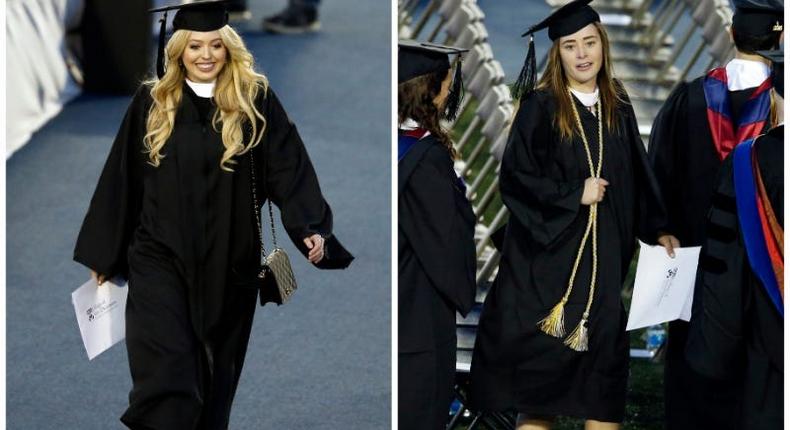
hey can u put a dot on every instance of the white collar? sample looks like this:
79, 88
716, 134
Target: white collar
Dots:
743, 74
587, 99
408, 124
205, 90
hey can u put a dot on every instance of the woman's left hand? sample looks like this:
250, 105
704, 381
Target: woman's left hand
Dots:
669, 243
315, 244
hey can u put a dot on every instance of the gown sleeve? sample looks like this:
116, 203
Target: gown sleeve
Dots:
292, 184
439, 227
651, 217
716, 332
113, 213
546, 206
670, 130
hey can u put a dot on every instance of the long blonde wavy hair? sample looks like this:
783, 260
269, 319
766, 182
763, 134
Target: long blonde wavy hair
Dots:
237, 87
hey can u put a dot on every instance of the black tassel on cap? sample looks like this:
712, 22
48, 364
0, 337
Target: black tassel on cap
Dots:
160, 56
526, 79
456, 94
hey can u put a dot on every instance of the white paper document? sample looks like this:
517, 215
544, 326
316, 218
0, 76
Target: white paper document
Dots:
664, 286
100, 314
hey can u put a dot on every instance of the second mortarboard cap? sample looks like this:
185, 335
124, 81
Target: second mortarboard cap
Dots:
758, 17
416, 59
421, 58
197, 16
564, 21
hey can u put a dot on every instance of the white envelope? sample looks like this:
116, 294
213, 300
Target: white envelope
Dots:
664, 286
100, 314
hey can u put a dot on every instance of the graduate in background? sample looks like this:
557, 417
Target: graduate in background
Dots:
698, 126
299, 16
173, 213
736, 330
576, 180
436, 249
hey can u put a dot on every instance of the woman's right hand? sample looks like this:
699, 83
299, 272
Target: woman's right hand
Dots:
594, 190
98, 278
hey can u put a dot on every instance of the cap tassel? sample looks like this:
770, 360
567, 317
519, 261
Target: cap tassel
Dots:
160, 56
456, 94
526, 79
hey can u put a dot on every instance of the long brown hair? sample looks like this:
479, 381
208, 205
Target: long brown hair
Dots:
612, 94
415, 101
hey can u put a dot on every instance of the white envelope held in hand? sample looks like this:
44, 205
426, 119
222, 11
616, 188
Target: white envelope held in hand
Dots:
100, 314
664, 286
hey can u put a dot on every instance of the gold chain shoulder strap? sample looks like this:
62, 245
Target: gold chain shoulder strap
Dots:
256, 208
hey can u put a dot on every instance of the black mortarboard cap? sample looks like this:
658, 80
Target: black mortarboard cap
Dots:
421, 58
416, 59
197, 16
758, 17
566, 20
777, 58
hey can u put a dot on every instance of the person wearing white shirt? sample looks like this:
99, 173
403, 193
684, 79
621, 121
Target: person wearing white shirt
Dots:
737, 324
701, 122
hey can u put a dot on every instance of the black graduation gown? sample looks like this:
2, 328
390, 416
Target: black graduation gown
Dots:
436, 278
183, 234
735, 332
515, 365
686, 164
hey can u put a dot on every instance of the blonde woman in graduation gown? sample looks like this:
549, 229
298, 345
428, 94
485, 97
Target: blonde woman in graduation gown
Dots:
173, 213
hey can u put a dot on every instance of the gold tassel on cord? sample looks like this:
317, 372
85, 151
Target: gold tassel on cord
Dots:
578, 340
554, 323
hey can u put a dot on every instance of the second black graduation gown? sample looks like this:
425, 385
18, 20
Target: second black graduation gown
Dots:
516, 366
686, 165
436, 278
183, 233
736, 333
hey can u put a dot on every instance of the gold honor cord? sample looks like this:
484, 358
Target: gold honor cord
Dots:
554, 323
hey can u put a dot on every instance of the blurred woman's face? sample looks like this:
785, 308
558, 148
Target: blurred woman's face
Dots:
582, 57
445, 90
204, 56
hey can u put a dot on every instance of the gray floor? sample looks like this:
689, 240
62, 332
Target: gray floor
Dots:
322, 361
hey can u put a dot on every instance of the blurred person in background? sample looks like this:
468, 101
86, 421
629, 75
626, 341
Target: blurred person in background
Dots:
698, 126
737, 327
300, 16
